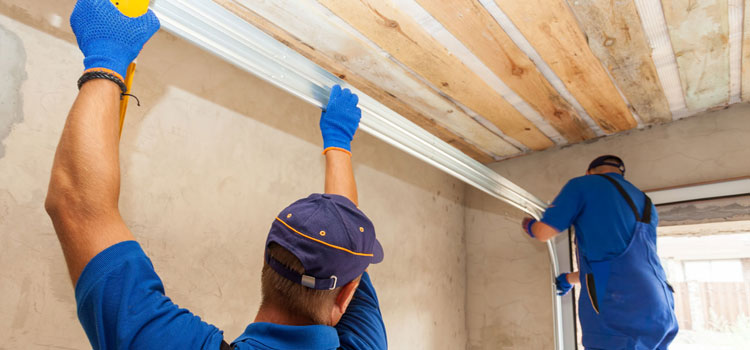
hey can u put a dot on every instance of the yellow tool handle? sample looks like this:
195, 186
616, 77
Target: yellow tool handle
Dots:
131, 8
124, 101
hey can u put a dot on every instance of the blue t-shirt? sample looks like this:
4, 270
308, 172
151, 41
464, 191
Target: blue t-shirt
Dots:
603, 220
121, 305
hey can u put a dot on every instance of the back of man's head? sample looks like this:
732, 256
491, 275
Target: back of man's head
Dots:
316, 251
606, 163
292, 298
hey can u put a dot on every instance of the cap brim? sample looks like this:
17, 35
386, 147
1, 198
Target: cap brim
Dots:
377, 253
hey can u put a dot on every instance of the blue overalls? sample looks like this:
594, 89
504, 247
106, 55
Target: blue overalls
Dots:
626, 302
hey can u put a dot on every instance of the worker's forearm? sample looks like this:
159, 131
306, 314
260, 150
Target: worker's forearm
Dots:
340, 175
574, 278
85, 182
86, 173
543, 232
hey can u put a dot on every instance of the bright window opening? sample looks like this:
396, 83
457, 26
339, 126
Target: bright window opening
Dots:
711, 278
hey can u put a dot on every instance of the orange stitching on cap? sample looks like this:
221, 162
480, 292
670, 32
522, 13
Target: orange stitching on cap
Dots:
321, 242
322, 233
288, 215
361, 229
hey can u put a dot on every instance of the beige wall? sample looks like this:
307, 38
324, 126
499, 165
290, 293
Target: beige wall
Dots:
508, 283
707, 147
207, 161
508, 296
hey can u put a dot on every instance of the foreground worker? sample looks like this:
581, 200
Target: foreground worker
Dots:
626, 302
316, 293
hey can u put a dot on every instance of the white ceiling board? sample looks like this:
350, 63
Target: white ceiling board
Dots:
655, 26
735, 49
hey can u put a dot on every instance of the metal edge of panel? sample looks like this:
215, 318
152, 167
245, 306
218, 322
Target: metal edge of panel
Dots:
218, 31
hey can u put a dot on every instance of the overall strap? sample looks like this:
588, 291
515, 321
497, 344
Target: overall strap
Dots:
646, 208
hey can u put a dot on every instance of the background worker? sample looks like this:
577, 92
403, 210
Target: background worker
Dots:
316, 293
626, 302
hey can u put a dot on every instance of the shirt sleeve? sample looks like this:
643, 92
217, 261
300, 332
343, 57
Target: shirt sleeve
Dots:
565, 208
121, 305
362, 326
654, 216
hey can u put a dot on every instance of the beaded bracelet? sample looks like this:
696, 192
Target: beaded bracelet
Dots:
88, 76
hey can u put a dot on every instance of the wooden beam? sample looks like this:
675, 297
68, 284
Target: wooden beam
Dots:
616, 37
348, 59
408, 42
699, 30
746, 53
470, 23
551, 28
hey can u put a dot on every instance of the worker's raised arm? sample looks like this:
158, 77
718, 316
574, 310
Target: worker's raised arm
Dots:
361, 326
559, 216
538, 230
85, 182
119, 297
338, 123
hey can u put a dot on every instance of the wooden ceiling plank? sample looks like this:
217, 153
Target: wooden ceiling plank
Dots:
470, 23
407, 41
616, 37
551, 27
746, 53
699, 31
344, 56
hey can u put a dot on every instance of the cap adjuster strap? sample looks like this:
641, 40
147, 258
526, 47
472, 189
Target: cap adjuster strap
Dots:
308, 281
305, 280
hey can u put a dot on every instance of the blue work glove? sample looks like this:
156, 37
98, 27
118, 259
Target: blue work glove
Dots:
340, 119
563, 286
108, 39
526, 224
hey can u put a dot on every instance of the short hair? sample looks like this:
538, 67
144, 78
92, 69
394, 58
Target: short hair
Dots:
291, 297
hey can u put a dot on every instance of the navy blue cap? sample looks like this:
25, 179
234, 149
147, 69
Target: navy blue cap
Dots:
332, 238
610, 160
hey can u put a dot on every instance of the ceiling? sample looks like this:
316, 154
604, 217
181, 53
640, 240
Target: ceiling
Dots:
502, 78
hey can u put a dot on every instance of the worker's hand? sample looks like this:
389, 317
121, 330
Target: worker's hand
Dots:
108, 39
526, 224
340, 119
563, 286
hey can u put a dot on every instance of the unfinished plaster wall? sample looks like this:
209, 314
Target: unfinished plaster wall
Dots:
207, 161
508, 285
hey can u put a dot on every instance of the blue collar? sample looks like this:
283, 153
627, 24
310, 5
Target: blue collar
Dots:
290, 337
615, 175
